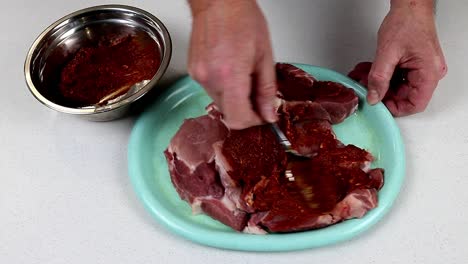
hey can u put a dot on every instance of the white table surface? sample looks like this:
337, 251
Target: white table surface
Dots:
65, 196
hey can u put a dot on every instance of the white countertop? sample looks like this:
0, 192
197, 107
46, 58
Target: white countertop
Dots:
69, 200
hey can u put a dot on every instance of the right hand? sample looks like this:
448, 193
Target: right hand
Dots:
231, 57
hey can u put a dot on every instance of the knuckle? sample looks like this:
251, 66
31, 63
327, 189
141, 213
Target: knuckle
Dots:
441, 68
378, 77
420, 107
223, 72
198, 71
268, 90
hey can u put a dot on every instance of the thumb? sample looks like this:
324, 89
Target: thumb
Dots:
380, 75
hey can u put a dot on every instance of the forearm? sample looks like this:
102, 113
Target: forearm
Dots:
197, 6
415, 5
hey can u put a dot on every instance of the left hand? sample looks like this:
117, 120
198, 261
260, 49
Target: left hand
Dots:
409, 61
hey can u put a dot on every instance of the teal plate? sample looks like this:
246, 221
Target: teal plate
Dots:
371, 128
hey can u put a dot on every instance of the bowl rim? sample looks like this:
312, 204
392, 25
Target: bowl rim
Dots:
165, 60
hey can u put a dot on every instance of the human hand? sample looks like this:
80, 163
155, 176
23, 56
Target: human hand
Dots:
231, 57
409, 61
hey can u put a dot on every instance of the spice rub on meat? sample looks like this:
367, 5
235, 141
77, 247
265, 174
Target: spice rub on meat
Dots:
238, 176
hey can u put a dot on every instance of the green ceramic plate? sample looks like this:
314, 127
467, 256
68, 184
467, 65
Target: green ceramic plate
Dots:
372, 128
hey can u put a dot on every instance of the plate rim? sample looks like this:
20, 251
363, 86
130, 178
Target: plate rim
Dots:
271, 242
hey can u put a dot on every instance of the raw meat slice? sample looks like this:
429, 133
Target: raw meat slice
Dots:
225, 211
307, 126
201, 182
287, 218
334, 193
300, 111
307, 138
247, 156
339, 101
238, 176
190, 157
295, 84
194, 141
232, 190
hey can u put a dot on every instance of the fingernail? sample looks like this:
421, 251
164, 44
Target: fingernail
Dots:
373, 97
269, 113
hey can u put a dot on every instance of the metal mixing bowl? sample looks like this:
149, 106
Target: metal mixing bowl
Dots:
53, 48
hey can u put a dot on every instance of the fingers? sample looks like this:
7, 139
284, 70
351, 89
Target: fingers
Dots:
414, 95
400, 107
236, 102
197, 69
230, 89
380, 75
423, 86
265, 88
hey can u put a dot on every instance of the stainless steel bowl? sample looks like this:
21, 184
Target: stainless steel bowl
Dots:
63, 38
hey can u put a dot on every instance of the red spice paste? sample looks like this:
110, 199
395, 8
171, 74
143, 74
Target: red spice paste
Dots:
110, 67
